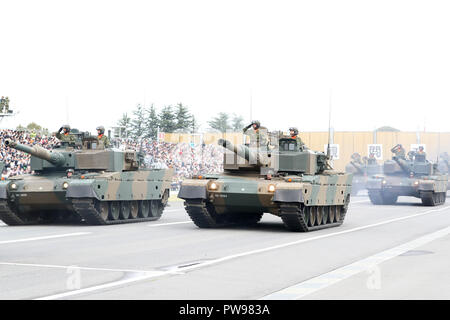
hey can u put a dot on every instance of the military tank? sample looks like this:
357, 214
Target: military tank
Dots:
285, 180
361, 170
413, 177
83, 181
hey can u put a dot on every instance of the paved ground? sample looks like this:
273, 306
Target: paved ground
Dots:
380, 252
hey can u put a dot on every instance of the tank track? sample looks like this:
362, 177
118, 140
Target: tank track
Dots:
294, 220
8, 216
202, 216
85, 208
433, 198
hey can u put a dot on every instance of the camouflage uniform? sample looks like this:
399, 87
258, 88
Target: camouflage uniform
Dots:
399, 151
2, 104
6, 104
258, 137
300, 143
65, 136
104, 139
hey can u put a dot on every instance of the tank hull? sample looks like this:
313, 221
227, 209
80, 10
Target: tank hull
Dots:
385, 189
115, 197
231, 199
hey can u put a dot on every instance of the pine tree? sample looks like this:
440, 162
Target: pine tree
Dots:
151, 123
183, 118
167, 120
237, 122
138, 122
220, 122
125, 124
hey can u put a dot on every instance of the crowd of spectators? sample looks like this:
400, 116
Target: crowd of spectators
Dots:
17, 162
186, 159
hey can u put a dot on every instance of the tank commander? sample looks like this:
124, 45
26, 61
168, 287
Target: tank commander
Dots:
258, 135
293, 132
101, 136
399, 151
356, 158
65, 136
6, 104
420, 154
371, 160
2, 104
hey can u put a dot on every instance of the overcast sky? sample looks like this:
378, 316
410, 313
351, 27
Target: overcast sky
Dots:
386, 62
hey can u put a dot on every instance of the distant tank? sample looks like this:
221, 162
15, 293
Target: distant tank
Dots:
83, 181
295, 184
361, 170
413, 177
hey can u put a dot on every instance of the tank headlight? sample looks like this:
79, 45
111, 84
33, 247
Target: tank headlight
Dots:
213, 186
65, 185
271, 188
416, 183
13, 186
384, 182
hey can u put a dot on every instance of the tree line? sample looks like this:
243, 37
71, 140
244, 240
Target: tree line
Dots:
146, 121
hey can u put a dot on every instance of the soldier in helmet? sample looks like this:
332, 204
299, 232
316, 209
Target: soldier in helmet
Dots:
372, 159
101, 136
399, 151
258, 135
293, 132
64, 135
2, 104
6, 104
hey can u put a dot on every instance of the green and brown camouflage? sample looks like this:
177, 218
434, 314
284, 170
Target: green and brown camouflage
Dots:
94, 184
416, 177
297, 185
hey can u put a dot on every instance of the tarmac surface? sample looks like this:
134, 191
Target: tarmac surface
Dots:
397, 251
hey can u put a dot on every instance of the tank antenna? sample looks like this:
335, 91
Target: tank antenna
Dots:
329, 129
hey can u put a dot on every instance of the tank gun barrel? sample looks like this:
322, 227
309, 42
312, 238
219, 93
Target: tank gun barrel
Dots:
54, 158
241, 150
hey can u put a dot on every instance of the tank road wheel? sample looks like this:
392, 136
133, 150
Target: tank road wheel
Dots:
326, 214
295, 217
103, 209
432, 198
144, 208
114, 210
134, 209
319, 215
312, 216
156, 208
124, 210
332, 214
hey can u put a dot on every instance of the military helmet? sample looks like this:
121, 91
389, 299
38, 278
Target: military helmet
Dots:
101, 128
294, 129
356, 156
258, 124
66, 126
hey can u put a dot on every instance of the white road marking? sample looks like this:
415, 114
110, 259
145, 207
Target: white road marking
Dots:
46, 237
72, 266
230, 257
359, 201
327, 279
168, 224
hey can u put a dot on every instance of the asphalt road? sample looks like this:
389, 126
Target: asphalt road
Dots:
380, 252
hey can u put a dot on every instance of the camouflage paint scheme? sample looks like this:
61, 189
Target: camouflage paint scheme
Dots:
408, 178
99, 175
301, 185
